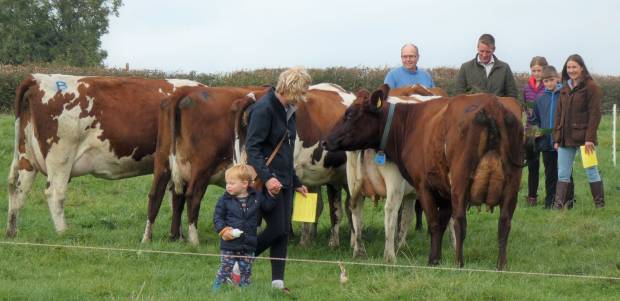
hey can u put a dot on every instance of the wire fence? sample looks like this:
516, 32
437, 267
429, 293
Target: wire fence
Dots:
315, 261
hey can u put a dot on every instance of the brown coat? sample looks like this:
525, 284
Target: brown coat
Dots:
578, 114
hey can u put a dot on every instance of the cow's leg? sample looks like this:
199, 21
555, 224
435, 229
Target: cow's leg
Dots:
59, 173
460, 230
459, 203
334, 198
392, 204
177, 205
418, 215
21, 177
308, 230
452, 235
429, 206
195, 192
408, 207
357, 206
156, 195
507, 209
347, 210
319, 211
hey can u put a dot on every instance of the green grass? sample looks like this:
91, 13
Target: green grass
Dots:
583, 241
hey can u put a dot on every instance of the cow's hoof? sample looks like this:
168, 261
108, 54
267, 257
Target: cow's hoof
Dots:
10, 233
61, 228
146, 239
359, 253
433, 262
389, 258
304, 242
501, 266
176, 237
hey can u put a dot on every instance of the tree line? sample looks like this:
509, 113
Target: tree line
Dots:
66, 32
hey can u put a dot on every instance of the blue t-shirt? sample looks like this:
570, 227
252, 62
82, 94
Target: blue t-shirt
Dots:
402, 77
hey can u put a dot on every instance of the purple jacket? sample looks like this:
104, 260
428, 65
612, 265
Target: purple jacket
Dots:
530, 94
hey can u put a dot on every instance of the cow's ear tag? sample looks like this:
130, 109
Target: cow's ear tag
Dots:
379, 104
380, 158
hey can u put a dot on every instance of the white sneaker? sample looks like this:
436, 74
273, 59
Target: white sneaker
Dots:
279, 284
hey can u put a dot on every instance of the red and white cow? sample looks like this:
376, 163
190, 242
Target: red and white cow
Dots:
68, 126
366, 178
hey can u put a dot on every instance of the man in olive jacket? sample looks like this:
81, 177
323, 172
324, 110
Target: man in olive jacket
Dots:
485, 73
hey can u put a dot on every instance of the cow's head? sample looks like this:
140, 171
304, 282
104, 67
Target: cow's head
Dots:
362, 123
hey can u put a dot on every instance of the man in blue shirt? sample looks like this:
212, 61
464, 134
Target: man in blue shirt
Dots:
408, 74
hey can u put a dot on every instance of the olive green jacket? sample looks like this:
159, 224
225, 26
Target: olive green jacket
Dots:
472, 78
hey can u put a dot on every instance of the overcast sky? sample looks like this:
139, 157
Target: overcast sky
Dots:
230, 35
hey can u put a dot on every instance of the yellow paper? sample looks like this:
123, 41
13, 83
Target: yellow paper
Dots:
588, 160
304, 208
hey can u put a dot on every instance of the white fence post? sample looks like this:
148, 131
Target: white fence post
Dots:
613, 137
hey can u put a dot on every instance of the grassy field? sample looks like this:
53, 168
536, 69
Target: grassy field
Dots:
100, 213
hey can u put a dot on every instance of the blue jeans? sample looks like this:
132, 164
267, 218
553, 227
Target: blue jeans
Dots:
566, 157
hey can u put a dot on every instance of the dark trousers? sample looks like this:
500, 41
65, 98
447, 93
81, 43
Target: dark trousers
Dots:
275, 235
550, 160
533, 166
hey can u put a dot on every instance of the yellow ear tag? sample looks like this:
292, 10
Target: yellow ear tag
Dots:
379, 104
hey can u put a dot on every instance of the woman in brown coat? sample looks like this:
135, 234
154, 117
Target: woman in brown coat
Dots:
575, 124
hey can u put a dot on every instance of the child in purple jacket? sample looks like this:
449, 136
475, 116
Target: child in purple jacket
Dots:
532, 90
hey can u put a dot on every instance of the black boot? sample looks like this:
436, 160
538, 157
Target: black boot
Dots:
560, 195
597, 194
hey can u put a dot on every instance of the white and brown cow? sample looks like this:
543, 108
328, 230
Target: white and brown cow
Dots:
366, 178
68, 126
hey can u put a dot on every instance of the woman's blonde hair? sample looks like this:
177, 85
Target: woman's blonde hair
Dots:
293, 84
241, 172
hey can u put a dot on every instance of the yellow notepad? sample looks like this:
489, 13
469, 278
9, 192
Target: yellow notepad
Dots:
588, 160
304, 208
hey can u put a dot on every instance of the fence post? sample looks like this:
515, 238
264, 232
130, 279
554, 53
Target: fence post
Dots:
613, 137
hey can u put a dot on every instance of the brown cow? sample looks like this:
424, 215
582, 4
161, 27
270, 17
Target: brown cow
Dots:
456, 152
194, 146
418, 90
67, 126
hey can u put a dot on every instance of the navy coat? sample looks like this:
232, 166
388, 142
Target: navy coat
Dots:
268, 123
228, 213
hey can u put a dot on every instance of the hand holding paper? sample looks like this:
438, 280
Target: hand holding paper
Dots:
304, 208
588, 159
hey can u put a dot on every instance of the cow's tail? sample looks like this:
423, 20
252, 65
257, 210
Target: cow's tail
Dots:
488, 179
240, 114
175, 131
355, 175
22, 110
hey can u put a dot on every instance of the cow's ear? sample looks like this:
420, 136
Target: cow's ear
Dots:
377, 99
386, 90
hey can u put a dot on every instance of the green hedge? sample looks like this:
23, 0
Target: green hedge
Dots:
351, 79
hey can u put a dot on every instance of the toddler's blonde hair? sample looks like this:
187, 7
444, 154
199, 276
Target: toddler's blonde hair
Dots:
242, 172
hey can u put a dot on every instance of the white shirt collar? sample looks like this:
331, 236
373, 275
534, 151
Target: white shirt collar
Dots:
488, 66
